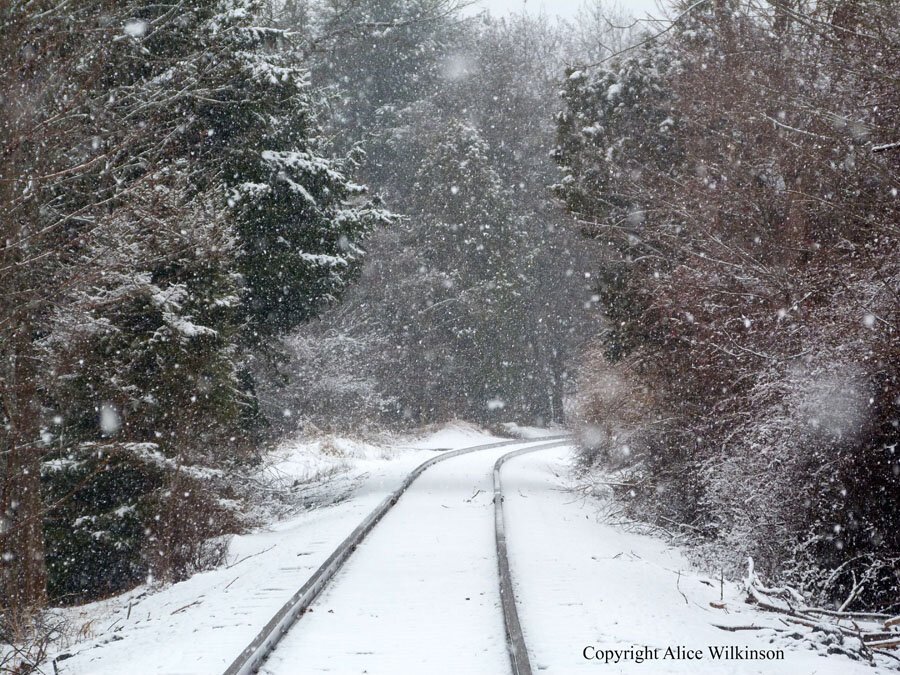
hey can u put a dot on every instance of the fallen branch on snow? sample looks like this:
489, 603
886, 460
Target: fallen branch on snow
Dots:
792, 608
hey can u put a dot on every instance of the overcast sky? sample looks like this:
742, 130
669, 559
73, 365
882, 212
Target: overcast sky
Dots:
566, 8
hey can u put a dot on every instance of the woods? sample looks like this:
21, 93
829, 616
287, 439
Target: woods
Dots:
168, 200
473, 304
747, 206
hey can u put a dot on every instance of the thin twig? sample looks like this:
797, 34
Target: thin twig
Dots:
252, 555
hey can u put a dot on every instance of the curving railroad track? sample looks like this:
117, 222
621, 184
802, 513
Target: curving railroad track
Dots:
458, 534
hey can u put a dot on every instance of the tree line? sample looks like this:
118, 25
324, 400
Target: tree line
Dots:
740, 171
169, 207
473, 304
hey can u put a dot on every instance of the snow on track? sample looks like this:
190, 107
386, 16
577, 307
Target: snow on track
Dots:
421, 594
400, 605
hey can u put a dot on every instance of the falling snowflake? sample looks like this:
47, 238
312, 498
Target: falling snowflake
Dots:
110, 422
136, 28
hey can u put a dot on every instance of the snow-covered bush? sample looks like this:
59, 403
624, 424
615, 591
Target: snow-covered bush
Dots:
750, 283
612, 413
329, 379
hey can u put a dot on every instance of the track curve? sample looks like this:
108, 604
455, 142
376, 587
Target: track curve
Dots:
518, 652
253, 656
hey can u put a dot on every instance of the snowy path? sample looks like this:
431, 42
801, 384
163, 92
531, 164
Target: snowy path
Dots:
421, 594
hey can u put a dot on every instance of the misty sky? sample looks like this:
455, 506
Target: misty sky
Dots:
566, 8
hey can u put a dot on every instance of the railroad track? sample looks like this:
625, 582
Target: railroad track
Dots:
255, 654
515, 640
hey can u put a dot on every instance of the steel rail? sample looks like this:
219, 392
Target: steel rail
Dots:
255, 653
515, 641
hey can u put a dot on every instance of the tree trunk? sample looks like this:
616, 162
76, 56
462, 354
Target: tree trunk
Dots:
23, 575
557, 391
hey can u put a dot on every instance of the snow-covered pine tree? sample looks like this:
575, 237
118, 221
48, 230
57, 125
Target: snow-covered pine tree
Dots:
143, 349
617, 127
243, 118
467, 240
378, 57
299, 217
183, 202
49, 65
146, 388
512, 69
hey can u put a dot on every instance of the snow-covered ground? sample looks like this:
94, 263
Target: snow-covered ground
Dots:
202, 624
586, 587
420, 594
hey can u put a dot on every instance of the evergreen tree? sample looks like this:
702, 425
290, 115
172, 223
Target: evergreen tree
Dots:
49, 59
182, 207
618, 126
468, 233
380, 57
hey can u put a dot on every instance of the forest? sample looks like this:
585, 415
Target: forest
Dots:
227, 222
